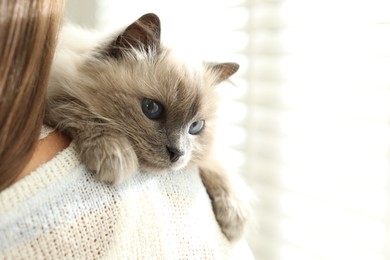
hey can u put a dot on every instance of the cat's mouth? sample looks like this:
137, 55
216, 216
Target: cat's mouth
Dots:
163, 165
178, 165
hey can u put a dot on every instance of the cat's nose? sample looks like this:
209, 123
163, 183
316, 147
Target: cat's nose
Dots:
174, 154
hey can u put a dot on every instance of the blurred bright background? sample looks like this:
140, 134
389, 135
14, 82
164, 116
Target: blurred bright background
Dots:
307, 121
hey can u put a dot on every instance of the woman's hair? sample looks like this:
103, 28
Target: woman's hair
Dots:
28, 34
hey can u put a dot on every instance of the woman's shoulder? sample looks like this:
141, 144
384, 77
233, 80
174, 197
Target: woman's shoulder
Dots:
149, 216
39, 178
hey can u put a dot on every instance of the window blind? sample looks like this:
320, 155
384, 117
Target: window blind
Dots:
318, 135
307, 118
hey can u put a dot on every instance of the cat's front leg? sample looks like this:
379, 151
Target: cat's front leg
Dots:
230, 206
110, 157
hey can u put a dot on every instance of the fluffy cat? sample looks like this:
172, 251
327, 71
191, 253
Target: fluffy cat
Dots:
130, 105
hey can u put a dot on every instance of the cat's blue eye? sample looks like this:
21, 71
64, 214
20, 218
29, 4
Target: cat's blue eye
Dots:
196, 127
152, 109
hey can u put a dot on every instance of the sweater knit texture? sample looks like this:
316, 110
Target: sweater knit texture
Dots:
60, 211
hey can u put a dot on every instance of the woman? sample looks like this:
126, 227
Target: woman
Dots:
50, 205
28, 31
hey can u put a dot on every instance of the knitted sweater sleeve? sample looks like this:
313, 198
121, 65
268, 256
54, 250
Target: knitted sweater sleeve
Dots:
60, 211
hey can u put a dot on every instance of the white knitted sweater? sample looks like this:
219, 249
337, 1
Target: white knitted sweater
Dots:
60, 211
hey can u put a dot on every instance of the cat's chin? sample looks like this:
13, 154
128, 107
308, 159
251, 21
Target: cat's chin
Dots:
163, 170
159, 171
177, 167
154, 171
180, 164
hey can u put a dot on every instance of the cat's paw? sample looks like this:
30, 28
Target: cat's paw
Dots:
112, 159
232, 215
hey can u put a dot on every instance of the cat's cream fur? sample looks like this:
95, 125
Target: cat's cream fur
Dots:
95, 92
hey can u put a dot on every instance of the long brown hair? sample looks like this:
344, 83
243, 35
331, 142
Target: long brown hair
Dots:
28, 33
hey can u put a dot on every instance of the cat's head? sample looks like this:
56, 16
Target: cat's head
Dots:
166, 108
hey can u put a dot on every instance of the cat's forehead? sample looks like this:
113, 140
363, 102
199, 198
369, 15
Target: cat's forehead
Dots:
183, 98
184, 89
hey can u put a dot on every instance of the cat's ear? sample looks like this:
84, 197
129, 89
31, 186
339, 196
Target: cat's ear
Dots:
222, 70
142, 35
